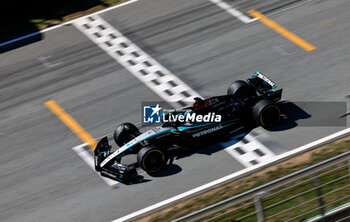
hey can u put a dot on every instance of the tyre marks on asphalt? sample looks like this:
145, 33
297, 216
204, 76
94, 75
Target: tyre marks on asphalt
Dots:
282, 31
159, 79
232, 11
71, 123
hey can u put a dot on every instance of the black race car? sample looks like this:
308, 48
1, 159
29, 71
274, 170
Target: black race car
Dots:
246, 101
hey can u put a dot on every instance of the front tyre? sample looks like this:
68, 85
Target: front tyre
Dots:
151, 159
266, 113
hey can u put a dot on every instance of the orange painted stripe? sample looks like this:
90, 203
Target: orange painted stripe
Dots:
71, 123
281, 30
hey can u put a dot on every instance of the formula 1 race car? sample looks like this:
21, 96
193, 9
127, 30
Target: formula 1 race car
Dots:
246, 101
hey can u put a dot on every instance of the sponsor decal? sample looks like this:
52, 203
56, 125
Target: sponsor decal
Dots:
205, 132
261, 76
114, 154
108, 174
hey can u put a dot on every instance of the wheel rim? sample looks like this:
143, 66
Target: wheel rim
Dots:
270, 116
153, 161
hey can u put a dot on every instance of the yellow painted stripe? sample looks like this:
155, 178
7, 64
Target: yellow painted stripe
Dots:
71, 123
281, 30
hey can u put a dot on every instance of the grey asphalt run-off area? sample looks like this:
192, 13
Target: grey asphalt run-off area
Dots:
43, 179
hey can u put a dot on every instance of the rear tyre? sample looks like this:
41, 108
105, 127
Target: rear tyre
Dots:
240, 88
124, 133
151, 159
266, 113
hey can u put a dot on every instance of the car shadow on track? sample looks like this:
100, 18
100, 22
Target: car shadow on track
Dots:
169, 169
310, 114
137, 180
290, 114
210, 147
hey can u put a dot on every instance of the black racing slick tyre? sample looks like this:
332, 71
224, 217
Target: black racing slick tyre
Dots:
151, 159
124, 133
240, 88
266, 113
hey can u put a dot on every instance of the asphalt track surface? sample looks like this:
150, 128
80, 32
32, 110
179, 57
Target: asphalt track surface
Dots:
42, 179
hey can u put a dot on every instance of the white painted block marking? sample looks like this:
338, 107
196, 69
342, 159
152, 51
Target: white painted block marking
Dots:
44, 60
234, 12
81, 150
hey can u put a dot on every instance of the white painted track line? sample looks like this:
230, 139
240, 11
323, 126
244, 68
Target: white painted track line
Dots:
289, 7
66, 23
234, 12
81, 150
243, 172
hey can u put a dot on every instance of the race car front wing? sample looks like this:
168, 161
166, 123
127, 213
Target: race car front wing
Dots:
116, 171
120, 172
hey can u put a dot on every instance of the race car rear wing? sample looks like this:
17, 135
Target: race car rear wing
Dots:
265, 79
274, 96
265, 86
